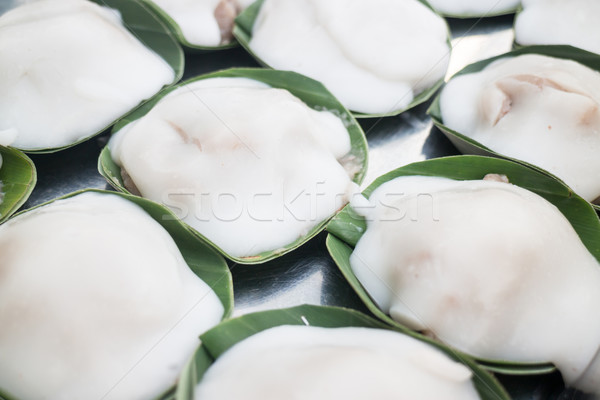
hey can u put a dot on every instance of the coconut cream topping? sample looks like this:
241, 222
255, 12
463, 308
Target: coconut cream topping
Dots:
204, 22
485, 266
474, 7
250, 167
311, 363
537, 109
573, 22
68, 68
374, 56
96, 301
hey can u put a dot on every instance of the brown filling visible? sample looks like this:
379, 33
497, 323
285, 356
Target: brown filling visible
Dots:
225, 14
430, 334
504, 109
129, 183
513, 86
588, 116
496, 178
352, 165
184, 136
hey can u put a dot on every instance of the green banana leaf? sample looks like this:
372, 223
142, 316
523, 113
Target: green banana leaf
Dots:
309, 91
17, 180
468, 145
151, 32
202, 260
244, 24
219, 339
178, 33
347, 227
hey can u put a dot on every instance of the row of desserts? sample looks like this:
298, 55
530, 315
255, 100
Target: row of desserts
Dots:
188, 139
483, 265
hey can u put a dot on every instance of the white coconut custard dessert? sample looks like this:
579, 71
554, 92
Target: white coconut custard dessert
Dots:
535, 108
312, 363
375, 56
249, 166
573, 22
204, 22
97, 302
69, 68
487, 267
473, 8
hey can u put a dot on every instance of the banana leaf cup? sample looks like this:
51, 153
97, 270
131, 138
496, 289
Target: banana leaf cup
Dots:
309, 91
244, 24
219, 339
348, 226
202, 260
467, 145
150, 31
176, 31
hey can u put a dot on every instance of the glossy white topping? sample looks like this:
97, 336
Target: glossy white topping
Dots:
474, 7
311, 363
204, 22
572, 22
96, 302
68, 68
488, 267
373, 55
534, 108
249, 166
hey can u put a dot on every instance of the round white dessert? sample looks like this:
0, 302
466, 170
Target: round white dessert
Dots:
573, 22
312, 363
487, 267
250, 167
375, 56
538, 109
69, 68
96, 302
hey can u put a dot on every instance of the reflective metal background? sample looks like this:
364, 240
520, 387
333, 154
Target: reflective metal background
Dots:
308, 275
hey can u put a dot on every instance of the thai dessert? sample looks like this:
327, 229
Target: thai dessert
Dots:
312, 363
249, 166
372, 61
572, 22
472, 8
204, 22
68, 69
487, 267
97, 302
534, 108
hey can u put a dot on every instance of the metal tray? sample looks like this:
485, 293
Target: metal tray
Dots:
308, 275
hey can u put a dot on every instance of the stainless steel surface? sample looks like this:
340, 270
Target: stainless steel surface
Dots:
308, 275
